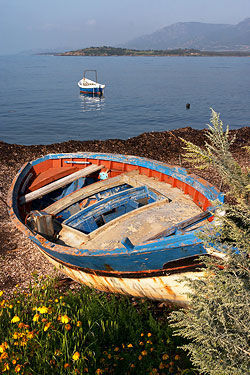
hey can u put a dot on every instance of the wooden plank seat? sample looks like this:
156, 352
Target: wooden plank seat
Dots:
101, 212
89, 201
74, 237
59, 183
88, 191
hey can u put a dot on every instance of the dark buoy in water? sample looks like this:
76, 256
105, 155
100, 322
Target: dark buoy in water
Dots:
188, 106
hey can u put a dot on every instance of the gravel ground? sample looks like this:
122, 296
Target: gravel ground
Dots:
19, 258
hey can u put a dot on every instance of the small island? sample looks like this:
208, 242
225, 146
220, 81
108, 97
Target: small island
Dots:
114, 51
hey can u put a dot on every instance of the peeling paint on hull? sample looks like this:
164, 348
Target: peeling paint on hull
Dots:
163, 288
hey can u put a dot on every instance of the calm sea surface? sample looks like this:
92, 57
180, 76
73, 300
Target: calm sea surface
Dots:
40, 101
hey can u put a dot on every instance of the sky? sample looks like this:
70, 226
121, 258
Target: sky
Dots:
72, 24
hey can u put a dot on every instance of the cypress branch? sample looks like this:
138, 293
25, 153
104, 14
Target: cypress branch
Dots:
217, 322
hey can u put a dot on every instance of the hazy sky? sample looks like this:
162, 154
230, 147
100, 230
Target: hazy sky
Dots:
29, 24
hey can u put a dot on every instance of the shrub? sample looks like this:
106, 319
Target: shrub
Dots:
217, 322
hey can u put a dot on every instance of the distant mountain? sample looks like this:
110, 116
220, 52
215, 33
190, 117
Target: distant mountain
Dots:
197, 35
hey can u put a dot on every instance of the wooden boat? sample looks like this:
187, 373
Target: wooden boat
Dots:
89, 87
117, 223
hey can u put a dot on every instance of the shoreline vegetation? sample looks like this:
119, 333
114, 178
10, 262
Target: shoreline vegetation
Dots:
113, 51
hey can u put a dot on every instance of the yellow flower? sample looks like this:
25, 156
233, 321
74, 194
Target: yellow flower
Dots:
66, 365
142, 334
21, 325
56, 300
46, 327
6, 367
36, 317
132, 365
65, 319
14, 361
3, 356
177, 357
2, 348
78, 323
10, 306
165, 356
140, 357
30, 335
130, 346
116, 349
15, 319
5, 345
109, 356
98, 371
149, 334
15, 336
58, 352
1, 293
144, 352
161, 366
18, 368
76, 356
141, 343
43, 310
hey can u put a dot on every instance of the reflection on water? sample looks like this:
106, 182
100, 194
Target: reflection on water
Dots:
91, 103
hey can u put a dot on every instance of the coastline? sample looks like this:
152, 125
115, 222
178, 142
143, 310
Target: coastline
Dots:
19, 258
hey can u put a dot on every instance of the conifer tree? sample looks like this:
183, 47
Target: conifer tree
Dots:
217, 320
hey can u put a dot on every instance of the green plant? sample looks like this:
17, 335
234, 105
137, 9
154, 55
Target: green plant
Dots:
48, 331
217, 322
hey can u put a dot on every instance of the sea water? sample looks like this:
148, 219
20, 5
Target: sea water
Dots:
40, 102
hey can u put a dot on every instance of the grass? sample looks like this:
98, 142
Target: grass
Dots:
50, 331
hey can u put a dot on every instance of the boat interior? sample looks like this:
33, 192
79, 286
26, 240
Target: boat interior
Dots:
91, 203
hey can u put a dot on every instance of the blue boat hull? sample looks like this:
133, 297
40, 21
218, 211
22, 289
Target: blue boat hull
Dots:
91, 91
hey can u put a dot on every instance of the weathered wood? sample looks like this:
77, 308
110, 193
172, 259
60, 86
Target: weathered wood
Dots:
71, 236
91, 213
42, 223
60, 183
76, 238
142, 180
86, 192
182, 225
124, 217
